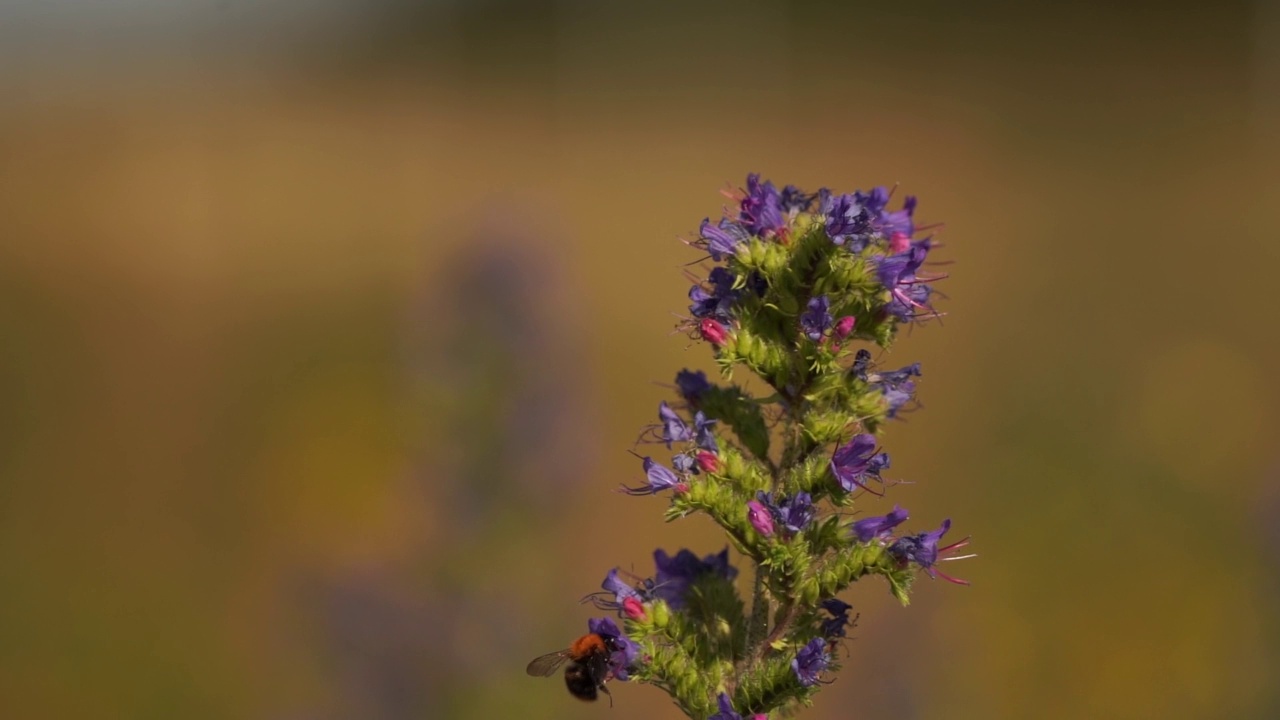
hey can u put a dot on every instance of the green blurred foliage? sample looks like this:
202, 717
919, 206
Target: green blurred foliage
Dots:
319, 367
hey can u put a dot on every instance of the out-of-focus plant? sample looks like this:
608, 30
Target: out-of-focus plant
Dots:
798, 281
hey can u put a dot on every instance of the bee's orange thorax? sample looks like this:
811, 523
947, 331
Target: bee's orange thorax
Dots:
585, 646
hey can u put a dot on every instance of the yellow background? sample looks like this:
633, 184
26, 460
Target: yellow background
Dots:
323, 341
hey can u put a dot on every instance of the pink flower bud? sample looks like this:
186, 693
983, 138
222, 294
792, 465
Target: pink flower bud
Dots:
708, 461
713, 332
632, 608
899, 242
844, 327
760, 517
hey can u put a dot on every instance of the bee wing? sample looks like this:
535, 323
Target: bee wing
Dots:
547, 664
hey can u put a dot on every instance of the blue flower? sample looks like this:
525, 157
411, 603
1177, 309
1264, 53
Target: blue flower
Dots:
684, 464
898, 274
674, 428
793, 513
880, 525
793, 199
716, 302
834, 626
675, 574
810, 662
922, 548
846, 220
857, 461
691, 384
628, 650
616, 588
723, 238
658, 476
761, 210
726, 709
896, 385
817, 319
702, 431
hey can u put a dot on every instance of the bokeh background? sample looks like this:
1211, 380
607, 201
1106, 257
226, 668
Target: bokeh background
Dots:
326, 326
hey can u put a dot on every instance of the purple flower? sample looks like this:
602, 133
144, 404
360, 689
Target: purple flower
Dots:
674, 429
617, 589
922, 548
903, 306
793, 513
723, 238
659, 478
856, 461
793, 199
726, 709
810, 662
897, 273
691, 384
716, 302
675, 574
817, 319
760, 517
897, 386
702, 430
684, 464
761, 210
628, 650
898, 223
880, 526
834, 626
846, 220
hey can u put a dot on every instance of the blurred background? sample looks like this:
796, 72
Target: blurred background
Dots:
327, 325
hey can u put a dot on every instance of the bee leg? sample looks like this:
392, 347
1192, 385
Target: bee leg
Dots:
605, 690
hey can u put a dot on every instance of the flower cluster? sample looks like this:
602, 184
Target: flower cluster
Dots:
795, 281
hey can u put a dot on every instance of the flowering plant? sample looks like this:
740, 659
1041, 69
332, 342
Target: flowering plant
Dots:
797, 280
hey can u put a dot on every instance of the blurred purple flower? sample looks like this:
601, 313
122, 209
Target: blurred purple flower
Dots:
674, 574
691, 384
834, 626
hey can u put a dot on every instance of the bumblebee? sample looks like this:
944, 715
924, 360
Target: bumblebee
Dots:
588, 669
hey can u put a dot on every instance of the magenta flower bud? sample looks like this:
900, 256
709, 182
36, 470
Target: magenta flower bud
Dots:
632, 608
760, 517
844, 327
899, 242
713, 332
708, 461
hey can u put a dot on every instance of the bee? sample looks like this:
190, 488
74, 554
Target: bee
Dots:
588, 668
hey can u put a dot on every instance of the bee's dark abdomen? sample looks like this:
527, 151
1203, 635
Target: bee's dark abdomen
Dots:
580, 681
